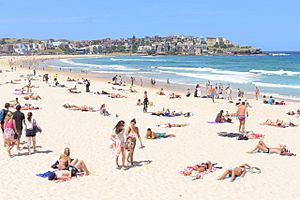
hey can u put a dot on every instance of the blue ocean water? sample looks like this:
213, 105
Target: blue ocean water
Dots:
277, 74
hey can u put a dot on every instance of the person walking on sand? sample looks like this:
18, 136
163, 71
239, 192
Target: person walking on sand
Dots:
31, 128
132, 80
19, 118
242, 113
257, 92
9, 132
118, 137
3, 114
145, 102
132, 133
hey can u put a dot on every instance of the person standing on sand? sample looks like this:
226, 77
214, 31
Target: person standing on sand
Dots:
257, 92
141, 80
132, 80
241, 114
229, 92
87, 85
19, 118
145, 102
31, 129
212, 92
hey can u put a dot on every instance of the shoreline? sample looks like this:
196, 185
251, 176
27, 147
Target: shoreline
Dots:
38, 61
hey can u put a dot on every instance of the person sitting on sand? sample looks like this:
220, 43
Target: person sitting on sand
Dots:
139, 102
188, 93
65, 162
116, 96
153, 135
103, 110
199, 168
262, 147
233, 173
161, 92
132, 90
169, 125
14, 103
32, 97
74, 90
175, 96
220, 117
271, 100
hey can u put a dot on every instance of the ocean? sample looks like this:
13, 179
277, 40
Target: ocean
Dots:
277, 74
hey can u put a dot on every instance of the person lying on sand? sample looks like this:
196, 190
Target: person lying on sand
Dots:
83, 108
70, 79
278, 123
153, 135
118, 89
103, 93
297, 113
12, 82
169, 125
30, 107
175, 96
262, 147
116, 96
32, 97
207, 166
160, 92
162, 113
233, 173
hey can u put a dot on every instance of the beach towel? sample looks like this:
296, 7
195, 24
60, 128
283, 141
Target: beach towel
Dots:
45, 174
213, 122
230, 135
79, 175
196, 175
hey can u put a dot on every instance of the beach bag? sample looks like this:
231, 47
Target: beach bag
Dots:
35, 128
73, 170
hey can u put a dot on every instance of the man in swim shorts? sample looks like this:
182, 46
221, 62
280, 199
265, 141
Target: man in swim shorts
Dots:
241, 113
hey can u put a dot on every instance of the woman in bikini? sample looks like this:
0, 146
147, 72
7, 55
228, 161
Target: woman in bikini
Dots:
239, 171
118, 137
132, 133
199, 168
153, 135
262, 147
78, 164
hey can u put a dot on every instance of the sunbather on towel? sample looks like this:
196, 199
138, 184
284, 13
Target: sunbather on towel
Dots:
278, 123
153, 135
239, 171
169, 125
262, 147
199, 168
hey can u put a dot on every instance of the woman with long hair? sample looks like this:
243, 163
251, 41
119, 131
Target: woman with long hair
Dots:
31, 128
132, 133
118, 137
9, 133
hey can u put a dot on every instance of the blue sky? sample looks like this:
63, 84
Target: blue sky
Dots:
268, 24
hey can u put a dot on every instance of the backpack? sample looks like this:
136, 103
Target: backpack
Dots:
3, 113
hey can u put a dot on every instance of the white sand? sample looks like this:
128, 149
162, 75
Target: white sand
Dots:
155, 174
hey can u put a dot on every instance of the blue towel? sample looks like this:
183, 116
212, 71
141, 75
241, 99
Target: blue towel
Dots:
44, 175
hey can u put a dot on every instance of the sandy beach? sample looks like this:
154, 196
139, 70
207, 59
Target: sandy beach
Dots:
155, 173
